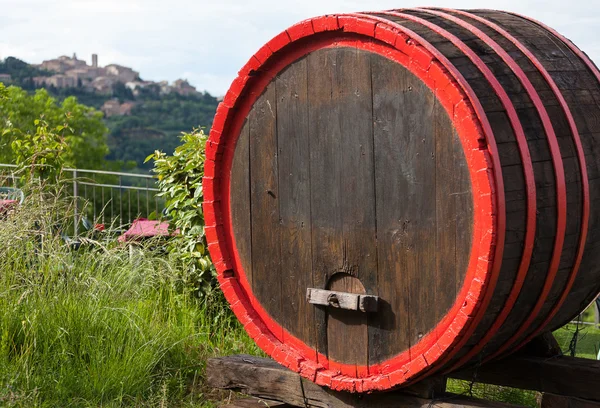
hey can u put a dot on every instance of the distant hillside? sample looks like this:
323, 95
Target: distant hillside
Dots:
142, 116
20, 73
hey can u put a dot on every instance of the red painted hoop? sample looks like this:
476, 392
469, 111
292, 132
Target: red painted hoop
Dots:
405, 47
523, 149
560, 193
585, 185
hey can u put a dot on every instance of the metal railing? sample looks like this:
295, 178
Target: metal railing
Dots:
107, 197
596, 323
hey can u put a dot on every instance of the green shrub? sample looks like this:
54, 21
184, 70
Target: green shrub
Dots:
180, 183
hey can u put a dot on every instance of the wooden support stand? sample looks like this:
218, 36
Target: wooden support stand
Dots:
270, 382
565, 382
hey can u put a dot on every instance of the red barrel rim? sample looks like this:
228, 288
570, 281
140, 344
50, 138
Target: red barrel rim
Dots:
527, 173
405, 47
585, 186
560, 187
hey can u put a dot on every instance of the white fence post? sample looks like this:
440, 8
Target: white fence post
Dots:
597, 315
76, 205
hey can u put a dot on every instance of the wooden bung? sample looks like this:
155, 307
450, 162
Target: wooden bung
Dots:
426, 176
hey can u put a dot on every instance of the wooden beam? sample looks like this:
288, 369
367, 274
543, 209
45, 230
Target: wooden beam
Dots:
252, 402
544, 346
562, 375
559, 401
264, 378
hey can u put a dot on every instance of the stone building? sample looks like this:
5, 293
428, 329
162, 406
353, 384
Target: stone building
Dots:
114, 108
111, 108
57, 81
70, 72
86, 74
183, 87
103, 85
123, 74
62, 64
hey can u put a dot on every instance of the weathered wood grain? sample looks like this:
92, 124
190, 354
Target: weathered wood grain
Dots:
420, 262
294, 200
240, 200
568, 376
325, 143
577, 83
264, 197
254, 403
558, 401
266, 379
342, 300
341, 167
347, 330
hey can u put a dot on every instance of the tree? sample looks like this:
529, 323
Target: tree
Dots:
123, 93
82, 127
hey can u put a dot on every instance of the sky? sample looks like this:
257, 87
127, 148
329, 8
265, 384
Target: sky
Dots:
207, 42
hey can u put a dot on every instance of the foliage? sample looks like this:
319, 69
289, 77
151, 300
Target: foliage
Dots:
583, 340
156, 122
21, 73
180, 184
42, 153
83, 95
81, 127
101, 326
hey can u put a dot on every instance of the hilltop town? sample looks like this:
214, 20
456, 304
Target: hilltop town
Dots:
71, 72
142, 116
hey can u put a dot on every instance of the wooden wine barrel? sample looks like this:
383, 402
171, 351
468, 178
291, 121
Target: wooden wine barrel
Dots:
395, 194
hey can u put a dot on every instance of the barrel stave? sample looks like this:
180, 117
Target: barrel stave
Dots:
349, 173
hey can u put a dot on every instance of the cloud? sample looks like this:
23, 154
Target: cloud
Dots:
208, 41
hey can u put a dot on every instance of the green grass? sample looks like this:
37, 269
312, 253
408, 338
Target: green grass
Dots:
103, 328
588, 340
493, 392
99, 327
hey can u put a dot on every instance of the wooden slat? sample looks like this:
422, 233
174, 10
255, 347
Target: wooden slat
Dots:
358, 256
254, 403
415, 145
266, 379
294, 201
341, 166
324, 148
264, 195
240, 201
392, 331
464, 223
559, 401
347, 330
568, 376
577, 83
450, 254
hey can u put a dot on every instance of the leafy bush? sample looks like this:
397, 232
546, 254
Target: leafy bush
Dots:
180, 183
